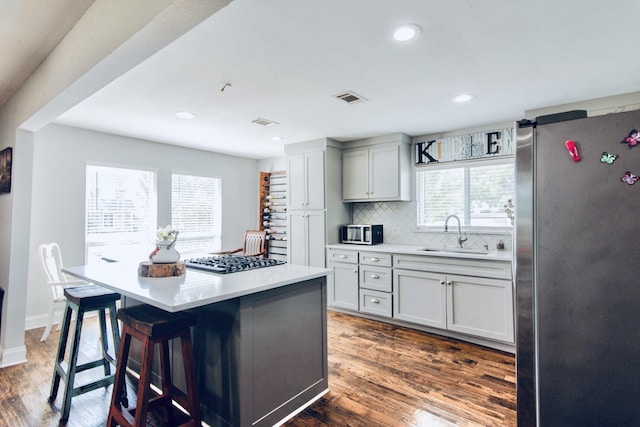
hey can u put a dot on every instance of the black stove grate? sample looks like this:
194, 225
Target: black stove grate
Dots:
225, 264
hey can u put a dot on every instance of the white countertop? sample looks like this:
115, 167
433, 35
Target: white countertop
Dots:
418, 250
195, 288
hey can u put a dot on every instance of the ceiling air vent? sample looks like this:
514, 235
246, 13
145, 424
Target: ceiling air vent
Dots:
264, 122
350, 97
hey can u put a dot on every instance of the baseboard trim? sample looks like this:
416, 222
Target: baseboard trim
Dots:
13, 356
40, 320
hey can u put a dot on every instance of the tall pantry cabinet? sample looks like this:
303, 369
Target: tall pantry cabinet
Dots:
315, 208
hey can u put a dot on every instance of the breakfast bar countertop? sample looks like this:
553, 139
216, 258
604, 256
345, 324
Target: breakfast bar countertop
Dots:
193, 289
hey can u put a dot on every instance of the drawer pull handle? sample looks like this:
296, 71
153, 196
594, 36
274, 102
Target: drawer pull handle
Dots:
375, 300
375, 276
375, 259
342, 256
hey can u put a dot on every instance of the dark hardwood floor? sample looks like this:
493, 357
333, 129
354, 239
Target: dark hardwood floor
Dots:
379, 375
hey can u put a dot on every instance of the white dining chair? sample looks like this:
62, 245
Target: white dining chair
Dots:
51, 258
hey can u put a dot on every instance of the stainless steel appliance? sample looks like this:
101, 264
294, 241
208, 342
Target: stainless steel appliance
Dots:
230, 263
577, 273
361, 234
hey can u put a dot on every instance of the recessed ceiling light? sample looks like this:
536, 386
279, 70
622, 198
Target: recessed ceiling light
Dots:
465, 97
406, 32
185, 115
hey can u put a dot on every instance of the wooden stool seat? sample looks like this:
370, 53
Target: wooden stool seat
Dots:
151, 326
84, 299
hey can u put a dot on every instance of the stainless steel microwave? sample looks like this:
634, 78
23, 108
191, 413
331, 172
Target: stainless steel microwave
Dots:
361, 234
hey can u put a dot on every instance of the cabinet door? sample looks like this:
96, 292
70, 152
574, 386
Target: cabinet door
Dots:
306, 180
384, 173
420, 297
355, 175
306, 238
296, 251
314, 175
343, 286
297, 181
316, 243
480, 307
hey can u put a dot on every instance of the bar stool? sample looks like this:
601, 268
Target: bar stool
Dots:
151, 326
84, 299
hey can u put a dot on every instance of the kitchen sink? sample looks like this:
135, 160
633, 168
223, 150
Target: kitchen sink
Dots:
477, 251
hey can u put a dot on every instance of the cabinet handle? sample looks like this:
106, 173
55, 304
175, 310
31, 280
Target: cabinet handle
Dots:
355, 271
449, 283
442, 282
342, 256
375, 276
375, 300
374, 259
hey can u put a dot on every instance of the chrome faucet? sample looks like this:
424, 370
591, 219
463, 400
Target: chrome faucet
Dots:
446, 228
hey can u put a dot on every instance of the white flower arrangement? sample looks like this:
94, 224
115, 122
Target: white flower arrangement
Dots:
166, 233
509, 209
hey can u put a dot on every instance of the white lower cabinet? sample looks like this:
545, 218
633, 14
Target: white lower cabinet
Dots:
420, 298
476, 306
465, 296
376, 283
343, 286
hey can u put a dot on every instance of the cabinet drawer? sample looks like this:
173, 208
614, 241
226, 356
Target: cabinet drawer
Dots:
375, 258
446, 265
376, 278
339, 255
375, 302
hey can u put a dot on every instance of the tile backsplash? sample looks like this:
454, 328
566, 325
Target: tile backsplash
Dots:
399, 220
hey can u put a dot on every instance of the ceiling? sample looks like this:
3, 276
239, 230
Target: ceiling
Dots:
284, 60
29, 31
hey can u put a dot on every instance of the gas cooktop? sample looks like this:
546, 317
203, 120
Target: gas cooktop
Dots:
224, 264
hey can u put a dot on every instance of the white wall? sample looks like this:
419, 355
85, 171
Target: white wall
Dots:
58, 192
272, 164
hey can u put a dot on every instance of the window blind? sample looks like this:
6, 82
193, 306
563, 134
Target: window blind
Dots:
194, 203
476, 194
120, 211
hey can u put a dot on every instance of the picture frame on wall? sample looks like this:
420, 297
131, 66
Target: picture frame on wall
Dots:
6, 159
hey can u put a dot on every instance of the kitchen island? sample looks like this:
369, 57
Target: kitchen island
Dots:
260, 343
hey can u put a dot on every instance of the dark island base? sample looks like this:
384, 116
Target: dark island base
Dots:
259, 358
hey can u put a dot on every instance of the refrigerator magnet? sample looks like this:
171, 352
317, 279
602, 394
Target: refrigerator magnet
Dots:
633, 139
608, 158
573, 150
629, 178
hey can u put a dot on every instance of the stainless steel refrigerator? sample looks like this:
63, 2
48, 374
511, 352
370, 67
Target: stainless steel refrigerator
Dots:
578, 271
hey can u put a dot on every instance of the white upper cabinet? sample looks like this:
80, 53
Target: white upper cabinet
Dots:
376, 173
306, 180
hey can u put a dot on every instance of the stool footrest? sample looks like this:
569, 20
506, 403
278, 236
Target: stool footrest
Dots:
104, 382
91, 365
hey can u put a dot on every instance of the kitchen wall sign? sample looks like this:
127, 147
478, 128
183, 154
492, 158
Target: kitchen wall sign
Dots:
6, 158
471, 146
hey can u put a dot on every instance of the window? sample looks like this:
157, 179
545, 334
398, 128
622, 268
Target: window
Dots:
120, 212
477, 193
195, 212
